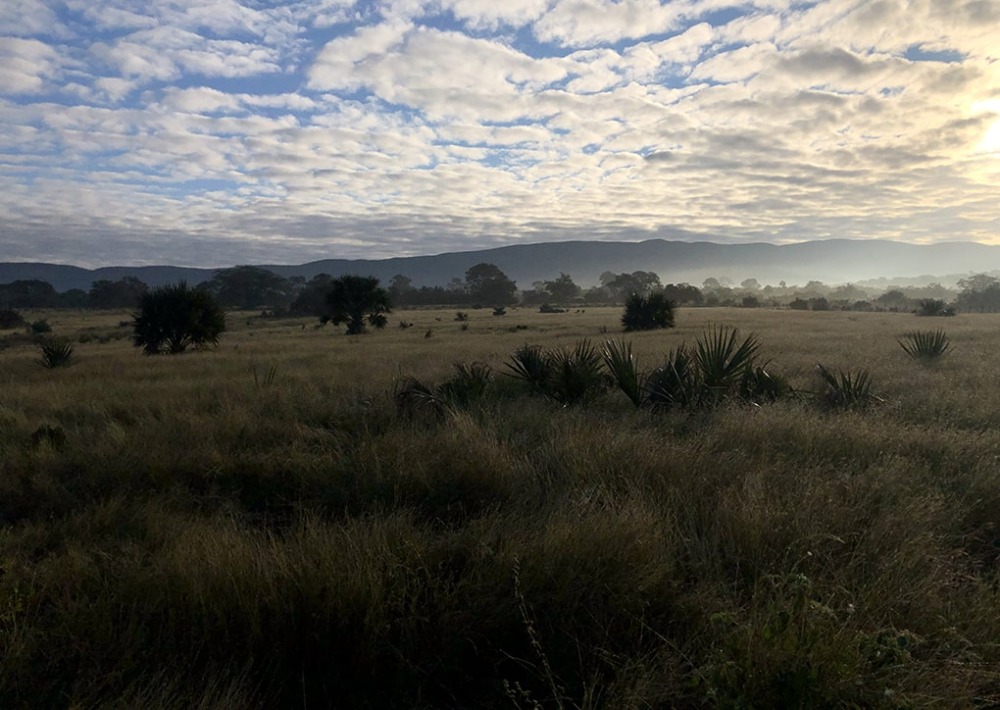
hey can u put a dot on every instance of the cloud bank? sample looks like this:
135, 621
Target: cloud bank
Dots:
217, 132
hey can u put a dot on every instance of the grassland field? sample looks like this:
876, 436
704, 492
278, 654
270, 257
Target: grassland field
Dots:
259, 525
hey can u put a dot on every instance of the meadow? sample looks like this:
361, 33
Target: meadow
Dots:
260, 525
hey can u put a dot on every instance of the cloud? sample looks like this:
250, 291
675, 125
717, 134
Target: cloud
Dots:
28, 66
297, 130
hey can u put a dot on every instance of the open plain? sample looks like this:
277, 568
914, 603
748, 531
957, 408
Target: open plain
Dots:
260, 525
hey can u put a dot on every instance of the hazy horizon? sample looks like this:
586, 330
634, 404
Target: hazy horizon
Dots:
211, 132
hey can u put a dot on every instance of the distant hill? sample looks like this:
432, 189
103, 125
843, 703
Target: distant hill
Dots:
831, 261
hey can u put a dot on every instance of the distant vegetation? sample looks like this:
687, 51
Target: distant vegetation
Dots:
486, 286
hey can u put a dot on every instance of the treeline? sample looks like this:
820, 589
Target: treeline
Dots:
485, 285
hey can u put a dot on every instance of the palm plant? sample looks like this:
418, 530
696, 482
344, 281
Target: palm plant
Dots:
531, 364
676, 382
847, 390
575, 374
722, 361
648, 312
56, 354
624, 369
925, 345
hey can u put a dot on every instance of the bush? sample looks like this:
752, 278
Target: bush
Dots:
549, 308
10, 318
40, 327
648, 312
174, 317
499, 311
719, 367
565, 375
934, 307
357, 300
846, 390
56, 354
925, 346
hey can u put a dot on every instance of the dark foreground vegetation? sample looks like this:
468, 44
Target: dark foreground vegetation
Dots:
267, 525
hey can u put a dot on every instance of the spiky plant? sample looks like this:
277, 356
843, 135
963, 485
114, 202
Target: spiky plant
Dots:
55, 353
925, 345
846, 390
469, 383
760, 385
622, 365
723, 360
174, 317
676, 382
648, 312
575, 373
531, 364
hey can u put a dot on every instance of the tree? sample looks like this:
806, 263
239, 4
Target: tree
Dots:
750, 285
648, 312
683, 294
311, 300
354, 300
123, 293
28, 293
562, 289
487, 284
174, 317
639, 282
248, 287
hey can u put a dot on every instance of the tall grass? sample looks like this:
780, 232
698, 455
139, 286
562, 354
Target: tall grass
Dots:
195, 540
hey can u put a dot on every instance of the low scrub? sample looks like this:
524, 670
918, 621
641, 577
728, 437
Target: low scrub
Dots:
55, 353
566, 375
846, 390
648, 312
468, 384
721, 366
925, 345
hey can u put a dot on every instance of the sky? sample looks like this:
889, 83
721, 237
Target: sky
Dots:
219, 132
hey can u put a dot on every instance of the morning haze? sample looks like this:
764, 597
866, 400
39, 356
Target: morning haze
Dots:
536, 354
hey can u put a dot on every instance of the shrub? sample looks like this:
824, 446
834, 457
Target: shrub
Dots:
468, 384
934, 307
174, 317
531, 364
567, 375
722, 362
56, 353
10, 318
356, 300
575, 374
549, 308
624, 369
719, 367
846, 390
648, 312
461, 316
499, 311
40, 327
675, 382
925, 346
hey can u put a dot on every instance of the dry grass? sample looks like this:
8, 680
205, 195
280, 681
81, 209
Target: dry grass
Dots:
178, 532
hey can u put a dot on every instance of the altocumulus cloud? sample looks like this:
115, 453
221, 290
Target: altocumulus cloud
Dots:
227, 131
